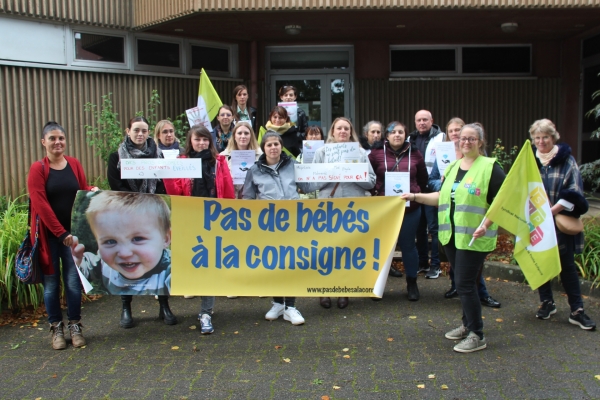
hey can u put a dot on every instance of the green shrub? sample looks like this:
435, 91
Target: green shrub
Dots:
589, 261
13, 227
590, 173
502, 157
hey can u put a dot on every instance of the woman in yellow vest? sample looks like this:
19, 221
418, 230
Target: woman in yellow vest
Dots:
468, 188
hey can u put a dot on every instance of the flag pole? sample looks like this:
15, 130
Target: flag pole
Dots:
480, 225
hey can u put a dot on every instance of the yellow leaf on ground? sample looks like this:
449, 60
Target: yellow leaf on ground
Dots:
287, 360
346, 356
175, 348
597, 377
346, 349
444, 387
499, 320
336, 388
413, 317
390, 339
488, 278
431, 376
235, 333
421, 386
193, 327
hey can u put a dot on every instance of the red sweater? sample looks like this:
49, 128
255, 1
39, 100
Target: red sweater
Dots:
36, 185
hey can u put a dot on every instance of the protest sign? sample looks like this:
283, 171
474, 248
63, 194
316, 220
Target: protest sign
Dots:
335, 172
309, 147
339, 247
161, 168
241, 161
397, 183
342, 152
292, 110
170, 154
444, 155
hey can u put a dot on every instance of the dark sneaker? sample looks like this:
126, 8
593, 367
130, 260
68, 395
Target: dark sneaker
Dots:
581, 319
490, 302
451, 293
546, 310
434, 273
423, 268
206, 327
471, 343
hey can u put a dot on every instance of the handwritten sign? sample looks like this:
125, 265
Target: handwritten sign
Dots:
292, 110
342, 152
444, 155
241, 162
332, 172
170, 154
198, 116
397, 183
161, 168
309, 148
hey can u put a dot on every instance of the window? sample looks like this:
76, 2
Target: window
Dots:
477, 60
96, 47
210, 58
158, 55
299, 59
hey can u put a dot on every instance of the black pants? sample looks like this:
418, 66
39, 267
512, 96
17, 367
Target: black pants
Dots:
467, 265
288, 301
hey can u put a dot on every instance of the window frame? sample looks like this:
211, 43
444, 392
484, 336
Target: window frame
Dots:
155, 68
232, 48
71, 51
459, 61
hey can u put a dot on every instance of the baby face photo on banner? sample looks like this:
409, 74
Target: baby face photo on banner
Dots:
122, 242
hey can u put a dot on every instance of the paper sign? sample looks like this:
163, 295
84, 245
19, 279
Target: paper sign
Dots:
198, 116
309, 147
342, 152
332, 172
87, 286
170, 154
397, 184
292, 110
161, 168
444, 155
241, 161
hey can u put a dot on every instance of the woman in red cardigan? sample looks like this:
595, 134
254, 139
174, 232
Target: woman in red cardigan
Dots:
53, 183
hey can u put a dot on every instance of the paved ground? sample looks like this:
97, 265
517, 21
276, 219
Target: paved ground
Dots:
371, 350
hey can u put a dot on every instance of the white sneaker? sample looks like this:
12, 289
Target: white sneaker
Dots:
275, 312
293, 315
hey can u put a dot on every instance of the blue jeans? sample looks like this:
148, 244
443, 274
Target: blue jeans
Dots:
568, 274
59, 252
208, 302
481, 288
406, 241
429, 222
467, 264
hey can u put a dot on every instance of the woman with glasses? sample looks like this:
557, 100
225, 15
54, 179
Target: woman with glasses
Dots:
468, 188
164, 135
223, 130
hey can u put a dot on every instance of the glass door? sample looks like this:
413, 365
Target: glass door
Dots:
322, 97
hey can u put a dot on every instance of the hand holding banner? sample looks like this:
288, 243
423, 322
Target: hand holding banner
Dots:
334, 172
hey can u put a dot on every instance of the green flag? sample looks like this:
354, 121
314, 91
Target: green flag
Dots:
522, 208
209, 101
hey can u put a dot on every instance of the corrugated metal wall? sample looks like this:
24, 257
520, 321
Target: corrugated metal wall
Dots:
29, 97
109, 13
506, 108
150, 12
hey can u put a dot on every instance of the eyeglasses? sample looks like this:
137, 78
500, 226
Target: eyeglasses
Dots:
224, 115
468, 139
168, 131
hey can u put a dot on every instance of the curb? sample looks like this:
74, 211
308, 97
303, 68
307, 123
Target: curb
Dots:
513, 273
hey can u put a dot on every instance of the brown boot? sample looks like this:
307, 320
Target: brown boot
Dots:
77, 339
58, 336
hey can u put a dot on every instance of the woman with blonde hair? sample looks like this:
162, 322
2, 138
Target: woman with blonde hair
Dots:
243, 139
164, 135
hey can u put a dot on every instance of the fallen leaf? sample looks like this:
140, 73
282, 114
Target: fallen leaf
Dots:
175, 348
444, 387
390, 339
143, 311
122, 348
257, 360
499, 320
278, 347
54, 376
193, 327
40, 329
488, 278
38, 398
322, 398
346, 356
83, 347
421, 386
235, 333
194, 349
336, 388
34, 324
483, 316
413, 317
520, 335
597, 377
287, 360
431, 376
346, 349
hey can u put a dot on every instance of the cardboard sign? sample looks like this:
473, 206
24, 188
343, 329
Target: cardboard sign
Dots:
309, 148
161, 168
342, 152
332, 172
198, 116
241, 161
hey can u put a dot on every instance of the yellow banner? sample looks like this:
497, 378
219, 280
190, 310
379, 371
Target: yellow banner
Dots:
218, 247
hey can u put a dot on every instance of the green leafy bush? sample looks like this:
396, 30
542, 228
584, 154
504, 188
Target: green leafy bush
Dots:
590, 173
13, 227
502, 157
589, 261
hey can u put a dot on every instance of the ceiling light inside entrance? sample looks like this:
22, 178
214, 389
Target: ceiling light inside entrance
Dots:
293, 29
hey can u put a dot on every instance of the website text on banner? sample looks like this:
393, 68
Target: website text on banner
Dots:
283, 248
522, 208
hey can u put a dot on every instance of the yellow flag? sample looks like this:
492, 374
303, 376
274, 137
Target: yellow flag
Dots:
522, 208
209, 101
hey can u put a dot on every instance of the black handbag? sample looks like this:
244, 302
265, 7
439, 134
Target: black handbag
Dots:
27, 267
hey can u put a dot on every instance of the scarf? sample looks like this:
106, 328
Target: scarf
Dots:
205, 186
174, 146
223, 138
545, 158
128, 150
243, 115
279, 129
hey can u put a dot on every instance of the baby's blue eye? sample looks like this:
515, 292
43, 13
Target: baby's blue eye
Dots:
139, 239
109, 242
